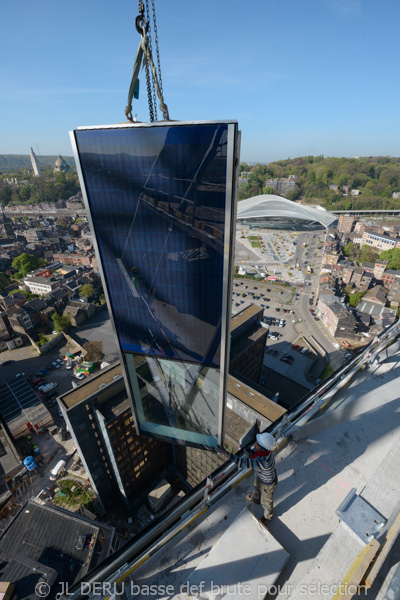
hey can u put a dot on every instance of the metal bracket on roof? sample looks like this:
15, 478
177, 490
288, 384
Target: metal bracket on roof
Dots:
360, 517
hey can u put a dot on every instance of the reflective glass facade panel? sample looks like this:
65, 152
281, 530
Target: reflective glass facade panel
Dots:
157, 198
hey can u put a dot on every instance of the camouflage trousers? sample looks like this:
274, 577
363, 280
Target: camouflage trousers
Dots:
264, 494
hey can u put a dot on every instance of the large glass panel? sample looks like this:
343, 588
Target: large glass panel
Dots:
159, 203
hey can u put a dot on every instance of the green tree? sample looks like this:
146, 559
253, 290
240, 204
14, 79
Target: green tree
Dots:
42, 340
268, 190
347, 206
24, 263
393, 258
87, 290
349, 249
94, 351
368, 254
294, 193
102, 299
4, 282
355, 299
61, 322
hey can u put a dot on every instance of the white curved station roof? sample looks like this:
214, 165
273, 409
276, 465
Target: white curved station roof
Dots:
269, 205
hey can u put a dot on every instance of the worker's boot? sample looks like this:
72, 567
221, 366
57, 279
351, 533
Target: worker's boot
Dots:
265, 521
250, 498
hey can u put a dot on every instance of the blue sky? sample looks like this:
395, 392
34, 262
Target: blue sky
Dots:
301, 77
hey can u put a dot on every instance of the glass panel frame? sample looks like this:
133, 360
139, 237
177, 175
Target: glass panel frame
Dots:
204, 371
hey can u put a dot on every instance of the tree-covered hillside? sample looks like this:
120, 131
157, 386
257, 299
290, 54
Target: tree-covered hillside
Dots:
376, 178
49, 187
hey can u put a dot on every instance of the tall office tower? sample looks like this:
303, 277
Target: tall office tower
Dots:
160, 199
346, 223
248, 340
119, 463
35, 166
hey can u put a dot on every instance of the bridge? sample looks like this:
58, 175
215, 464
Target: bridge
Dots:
365, 212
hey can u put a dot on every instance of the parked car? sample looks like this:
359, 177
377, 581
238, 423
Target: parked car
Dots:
60, 362
55, 365
37, 380
48, 387
7, 362
78, 375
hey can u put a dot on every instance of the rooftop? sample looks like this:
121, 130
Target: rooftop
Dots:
255, 400
49, 536
91, 386
270, 205
244, 315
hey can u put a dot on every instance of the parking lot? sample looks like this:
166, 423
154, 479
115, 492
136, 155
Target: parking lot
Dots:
27, 363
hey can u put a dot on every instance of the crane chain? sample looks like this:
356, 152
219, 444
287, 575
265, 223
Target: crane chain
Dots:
157, 48
154, 99
149, 96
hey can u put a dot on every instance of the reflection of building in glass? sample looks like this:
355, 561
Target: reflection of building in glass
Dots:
273, 212
160, 203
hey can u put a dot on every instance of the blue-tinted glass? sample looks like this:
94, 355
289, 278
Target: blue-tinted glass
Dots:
157, 201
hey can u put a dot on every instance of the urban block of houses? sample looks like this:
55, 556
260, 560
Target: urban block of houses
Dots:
339, 321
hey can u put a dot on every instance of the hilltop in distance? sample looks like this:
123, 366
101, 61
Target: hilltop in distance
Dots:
11, 162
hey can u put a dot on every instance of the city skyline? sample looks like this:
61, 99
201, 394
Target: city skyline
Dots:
316, 78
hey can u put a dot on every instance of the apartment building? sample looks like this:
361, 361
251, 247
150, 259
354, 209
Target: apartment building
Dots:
381, 241
337, 319
346, 223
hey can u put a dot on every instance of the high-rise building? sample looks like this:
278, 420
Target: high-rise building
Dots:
35, 165
346, 223
248, 340
162, 211
118, 462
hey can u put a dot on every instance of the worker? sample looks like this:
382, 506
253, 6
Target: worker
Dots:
265, 478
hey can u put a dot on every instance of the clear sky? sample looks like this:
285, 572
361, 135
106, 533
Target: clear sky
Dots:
301, 76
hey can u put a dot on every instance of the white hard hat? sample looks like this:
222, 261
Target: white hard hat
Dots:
266, 440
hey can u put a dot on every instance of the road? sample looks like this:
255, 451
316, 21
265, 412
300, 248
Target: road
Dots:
312, 255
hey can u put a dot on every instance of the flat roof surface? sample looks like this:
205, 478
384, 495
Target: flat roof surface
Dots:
16, 395
255, 400
49, 536
340, 450
90, 386
243, 315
